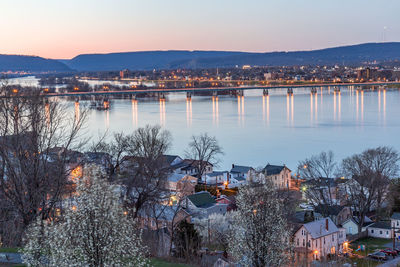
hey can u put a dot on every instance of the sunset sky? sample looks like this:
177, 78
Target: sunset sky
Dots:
64, 29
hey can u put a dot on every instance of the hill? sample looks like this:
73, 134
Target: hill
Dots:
350, 55
148, 60
31, 64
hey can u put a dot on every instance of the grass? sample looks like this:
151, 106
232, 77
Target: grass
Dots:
8, 250
363, 262
163, 263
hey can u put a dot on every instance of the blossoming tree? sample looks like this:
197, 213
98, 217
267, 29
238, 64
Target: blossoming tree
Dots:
260, 235
93, 232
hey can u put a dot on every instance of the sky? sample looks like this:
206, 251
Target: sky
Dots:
63, 29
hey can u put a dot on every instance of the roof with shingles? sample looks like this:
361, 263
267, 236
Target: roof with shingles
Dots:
329, 209
318, 228
396, 216
240, 169
381, 225
202, 199
273, 169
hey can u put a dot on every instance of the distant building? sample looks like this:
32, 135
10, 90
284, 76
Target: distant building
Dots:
124, 73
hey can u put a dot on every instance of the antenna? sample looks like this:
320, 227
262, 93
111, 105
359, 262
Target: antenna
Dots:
384, 34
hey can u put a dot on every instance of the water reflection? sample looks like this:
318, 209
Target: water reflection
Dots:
265, 107
107, 119
77, 111
47, 113
162, 111
189, 111
384, 105
290, 108
312, 107
362, 105
240, 102
134, 112
339, 105
215, 110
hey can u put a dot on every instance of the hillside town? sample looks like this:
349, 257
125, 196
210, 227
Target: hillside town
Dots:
326, 211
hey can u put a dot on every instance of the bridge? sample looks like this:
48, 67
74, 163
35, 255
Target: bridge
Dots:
215, 90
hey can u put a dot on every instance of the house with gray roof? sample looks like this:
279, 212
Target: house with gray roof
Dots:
320, 238
242, 171
381, 229
351, 225
279, 175
203, 204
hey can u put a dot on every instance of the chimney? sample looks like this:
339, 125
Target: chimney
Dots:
233, 166
327, 224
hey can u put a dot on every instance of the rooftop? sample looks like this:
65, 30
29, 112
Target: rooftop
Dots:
202, 199
240, 169
318, 228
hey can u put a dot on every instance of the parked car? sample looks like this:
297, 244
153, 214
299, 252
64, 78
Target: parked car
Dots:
306, 206
378, 255
389, 252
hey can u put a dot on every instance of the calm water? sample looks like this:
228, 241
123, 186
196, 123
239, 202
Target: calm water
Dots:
256, 129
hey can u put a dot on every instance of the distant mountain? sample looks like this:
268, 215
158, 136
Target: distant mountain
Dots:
31, 64
353, 55
148, 60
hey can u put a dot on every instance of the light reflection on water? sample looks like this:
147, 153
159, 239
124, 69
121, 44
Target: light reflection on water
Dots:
255, 129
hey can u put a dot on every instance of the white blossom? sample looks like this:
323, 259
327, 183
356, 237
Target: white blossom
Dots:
96, 232
260, 235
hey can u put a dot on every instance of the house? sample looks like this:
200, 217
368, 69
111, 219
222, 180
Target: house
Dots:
190, 167
215, 177
279, 175
202, 205
327, 190
351, 225
241, 171
321, 238
237, 181
382, 229
337, 213
182, 184
160, 216
395, 222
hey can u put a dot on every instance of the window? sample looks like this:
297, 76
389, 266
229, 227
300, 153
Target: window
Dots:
324, 240
380, 232
397, 223
372, 231
333, 237
304, 242
297, 241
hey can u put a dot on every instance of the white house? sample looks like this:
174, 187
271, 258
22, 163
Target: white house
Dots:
215, 177
395, 222
236, 181
351, 225
320, 238
242, 171
382, 229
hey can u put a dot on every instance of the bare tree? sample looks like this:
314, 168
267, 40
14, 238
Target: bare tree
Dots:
370, 174
117, 149
146, 180
203, 150
36, 139
319, 171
